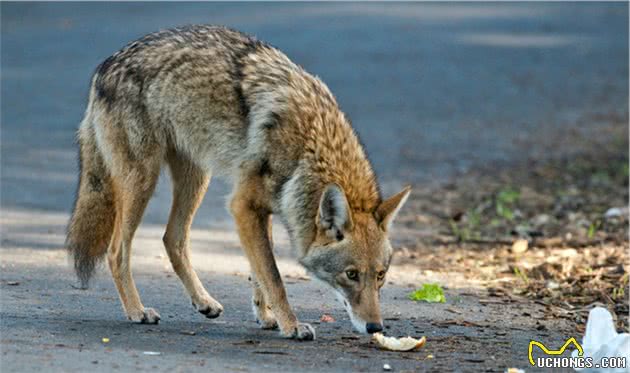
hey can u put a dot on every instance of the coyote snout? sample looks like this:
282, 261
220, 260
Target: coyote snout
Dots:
363, 308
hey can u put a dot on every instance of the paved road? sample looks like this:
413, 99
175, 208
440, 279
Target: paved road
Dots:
433, 89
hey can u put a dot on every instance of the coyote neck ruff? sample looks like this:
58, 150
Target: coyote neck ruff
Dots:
208, 100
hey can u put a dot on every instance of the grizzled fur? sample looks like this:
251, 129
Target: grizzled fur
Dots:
212, 101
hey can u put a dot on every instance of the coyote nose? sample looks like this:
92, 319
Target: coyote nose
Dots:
373, 327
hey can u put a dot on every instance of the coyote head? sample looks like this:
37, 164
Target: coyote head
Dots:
351, 253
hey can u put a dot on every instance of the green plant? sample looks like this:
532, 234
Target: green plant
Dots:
593, 228
505, 201
620, 291
469, 229
456, 231
520, 274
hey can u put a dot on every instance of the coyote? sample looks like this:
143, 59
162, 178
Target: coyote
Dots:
210, 100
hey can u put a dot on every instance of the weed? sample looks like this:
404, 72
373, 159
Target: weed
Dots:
520, 274
620, 291
505, 201
469, 230
593, 228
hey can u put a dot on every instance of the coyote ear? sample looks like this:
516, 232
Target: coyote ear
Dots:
333, 215
388, 209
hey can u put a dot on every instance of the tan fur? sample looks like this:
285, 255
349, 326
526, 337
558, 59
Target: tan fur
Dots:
208, 100
189, 186
92, 224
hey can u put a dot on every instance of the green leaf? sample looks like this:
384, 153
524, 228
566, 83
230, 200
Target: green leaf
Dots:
508, 196
431, 293
593, 228
504, 212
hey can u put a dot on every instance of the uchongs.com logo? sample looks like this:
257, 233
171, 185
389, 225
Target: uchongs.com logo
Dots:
554, 358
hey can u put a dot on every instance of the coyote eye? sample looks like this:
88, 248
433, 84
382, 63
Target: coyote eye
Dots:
380, 276
352, 274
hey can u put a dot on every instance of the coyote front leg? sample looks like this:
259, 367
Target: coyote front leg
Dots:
252, 224
262, 310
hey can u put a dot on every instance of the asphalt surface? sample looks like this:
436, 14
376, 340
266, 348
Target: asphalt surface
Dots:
432, 89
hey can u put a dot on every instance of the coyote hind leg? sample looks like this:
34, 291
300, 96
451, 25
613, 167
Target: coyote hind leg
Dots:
133, 191
189, 186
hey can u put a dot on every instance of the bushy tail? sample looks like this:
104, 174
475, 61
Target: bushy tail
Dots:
92, 223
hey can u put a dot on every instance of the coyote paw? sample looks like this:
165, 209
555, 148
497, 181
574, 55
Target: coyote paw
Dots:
268, 324
211, 308
303, 332
264, 316
146, 316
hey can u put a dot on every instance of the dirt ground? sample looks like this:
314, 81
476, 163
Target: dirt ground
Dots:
509, 120
570, 215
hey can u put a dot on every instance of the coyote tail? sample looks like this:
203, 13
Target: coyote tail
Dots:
92, 222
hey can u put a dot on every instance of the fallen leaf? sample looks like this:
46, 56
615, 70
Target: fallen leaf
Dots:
327, 318
520, 246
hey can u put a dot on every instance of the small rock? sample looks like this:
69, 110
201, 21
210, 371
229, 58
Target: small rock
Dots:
521, 230
519, 246
541, 219
152, 353
552, 285
387, 367
615, 212
573, 216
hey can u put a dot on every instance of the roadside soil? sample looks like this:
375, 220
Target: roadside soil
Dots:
551, 231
